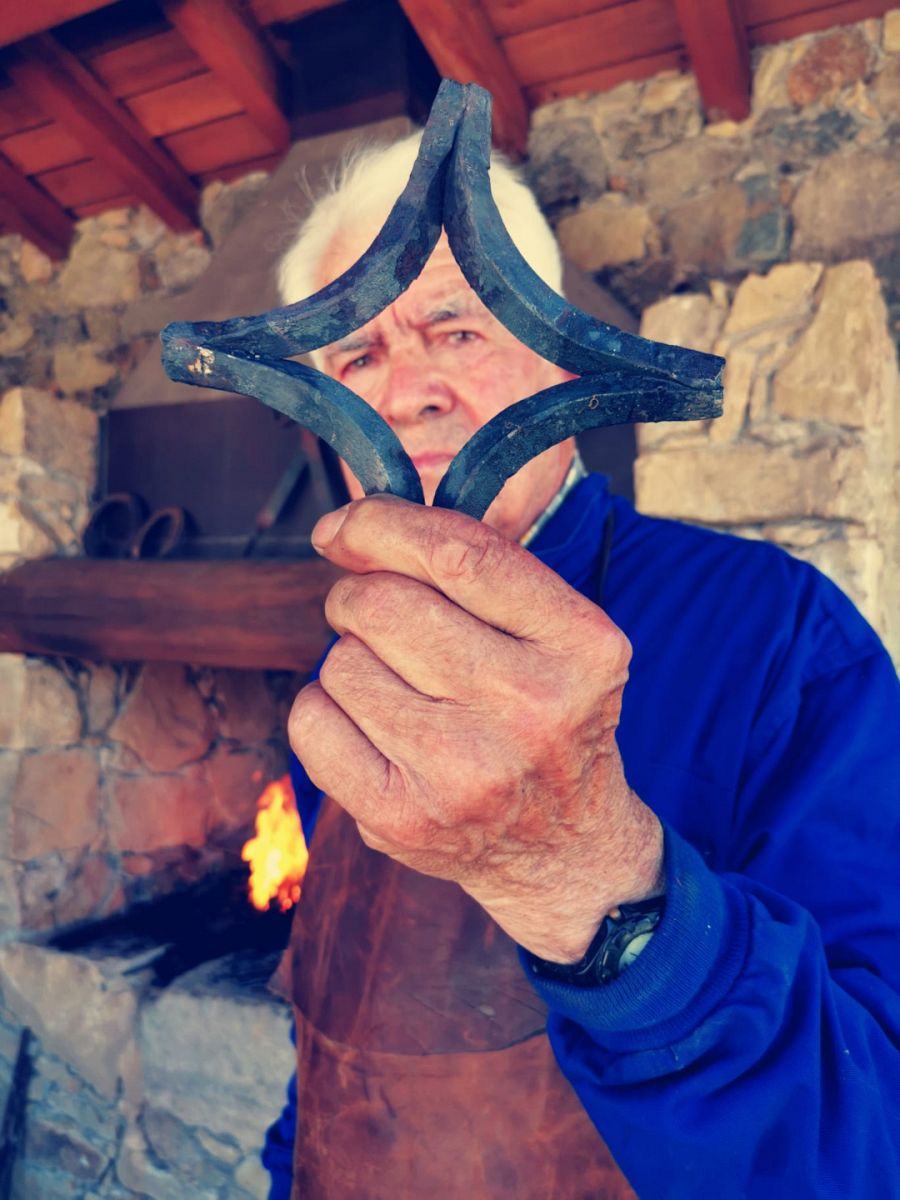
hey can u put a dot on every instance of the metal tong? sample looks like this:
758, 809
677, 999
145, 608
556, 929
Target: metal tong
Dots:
622, 377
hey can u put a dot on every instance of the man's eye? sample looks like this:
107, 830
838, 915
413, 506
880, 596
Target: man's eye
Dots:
357, 364
462, 335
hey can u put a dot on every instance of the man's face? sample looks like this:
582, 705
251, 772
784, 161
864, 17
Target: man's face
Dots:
437, 366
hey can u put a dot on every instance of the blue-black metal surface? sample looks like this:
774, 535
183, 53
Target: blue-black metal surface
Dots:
623, 377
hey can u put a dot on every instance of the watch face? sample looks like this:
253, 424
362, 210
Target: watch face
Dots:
618, 942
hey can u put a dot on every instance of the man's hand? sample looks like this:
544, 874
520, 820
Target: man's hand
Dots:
466, 719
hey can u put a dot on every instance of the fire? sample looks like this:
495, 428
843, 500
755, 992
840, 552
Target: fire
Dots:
277, 855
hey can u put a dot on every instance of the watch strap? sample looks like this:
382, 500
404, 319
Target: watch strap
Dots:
622, 935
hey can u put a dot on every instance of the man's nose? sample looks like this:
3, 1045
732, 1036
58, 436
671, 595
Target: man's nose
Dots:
414, 390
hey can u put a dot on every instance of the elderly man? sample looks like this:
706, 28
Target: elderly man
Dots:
592, 775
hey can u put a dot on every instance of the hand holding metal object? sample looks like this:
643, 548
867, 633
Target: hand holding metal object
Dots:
623, 377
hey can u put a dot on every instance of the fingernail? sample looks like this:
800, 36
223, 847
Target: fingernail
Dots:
326, 527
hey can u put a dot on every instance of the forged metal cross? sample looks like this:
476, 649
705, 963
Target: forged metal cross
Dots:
622, 377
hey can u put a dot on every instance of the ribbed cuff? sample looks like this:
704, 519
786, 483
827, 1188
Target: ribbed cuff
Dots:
689, 964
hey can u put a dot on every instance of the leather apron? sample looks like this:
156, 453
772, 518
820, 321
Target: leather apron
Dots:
423, 1065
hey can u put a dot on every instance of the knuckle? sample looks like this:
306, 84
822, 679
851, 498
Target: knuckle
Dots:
302, 717
465, 558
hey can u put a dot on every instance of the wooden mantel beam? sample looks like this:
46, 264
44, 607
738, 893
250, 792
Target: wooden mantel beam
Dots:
67, 91
716, 40
236, 52
32, 213
241, 613
463, 46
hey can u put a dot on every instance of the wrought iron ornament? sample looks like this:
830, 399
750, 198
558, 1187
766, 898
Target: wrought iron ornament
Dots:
622, 377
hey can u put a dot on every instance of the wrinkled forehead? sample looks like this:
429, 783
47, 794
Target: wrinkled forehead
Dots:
440, 288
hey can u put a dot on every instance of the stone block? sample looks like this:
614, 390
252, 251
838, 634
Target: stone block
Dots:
58, 435
15, 334
247, 711
253, 1177
137, 1168
38, 706
60, 1146
891, 32
81, 368
740, 368
55, 803
102, 692
58, 506
173, 1144
97, 275
180, 259
164, 721
20, 535
691, 320
886, 88
845, 204
752, 482
829, 64
238, 780
201, 1066
770, 74
605, 234
35, 266
677, 171
856, 565
784, 294
702, 232
79, 1014
159, 812
566, 162
843, 369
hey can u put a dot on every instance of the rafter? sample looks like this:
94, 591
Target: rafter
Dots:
32, 213
235, 51
68, 92
21, 20
716, 41
462, 45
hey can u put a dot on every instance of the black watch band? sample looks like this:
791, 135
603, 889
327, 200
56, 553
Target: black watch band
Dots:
623, 933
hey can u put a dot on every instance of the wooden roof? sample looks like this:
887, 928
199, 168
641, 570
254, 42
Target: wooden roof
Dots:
104, 104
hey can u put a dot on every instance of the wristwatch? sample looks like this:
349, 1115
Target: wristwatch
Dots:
621, 937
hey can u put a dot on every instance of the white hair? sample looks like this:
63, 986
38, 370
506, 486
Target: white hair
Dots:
364, 189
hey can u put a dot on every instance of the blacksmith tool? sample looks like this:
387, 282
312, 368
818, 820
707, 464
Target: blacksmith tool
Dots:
622, 377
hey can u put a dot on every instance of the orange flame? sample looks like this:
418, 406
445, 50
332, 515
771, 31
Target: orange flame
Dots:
277, 855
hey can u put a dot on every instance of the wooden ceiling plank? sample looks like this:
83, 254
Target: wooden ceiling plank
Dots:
145, 64
235, 50
88, 182
17, 113
519, 16
20, 20
282, 12
462, 45
716, 41
760, 12
67, 91
42, 149
632, 30
603, 78
846, 13
183, 105
31, 212
218, 144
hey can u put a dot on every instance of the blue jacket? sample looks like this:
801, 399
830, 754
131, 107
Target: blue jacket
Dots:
752, 1049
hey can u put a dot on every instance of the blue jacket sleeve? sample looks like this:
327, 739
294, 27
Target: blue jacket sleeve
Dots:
752, 1049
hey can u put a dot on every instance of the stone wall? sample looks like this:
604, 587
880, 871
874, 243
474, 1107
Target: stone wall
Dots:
135, 1091
806, 453
77, 328
117, 782
650, 199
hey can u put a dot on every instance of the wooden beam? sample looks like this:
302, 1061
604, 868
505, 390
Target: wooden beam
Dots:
462, 45
235, 51
241, 613
31, 212
716, 41
21, 18
68, 92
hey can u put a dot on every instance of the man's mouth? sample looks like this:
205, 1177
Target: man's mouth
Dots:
432, 460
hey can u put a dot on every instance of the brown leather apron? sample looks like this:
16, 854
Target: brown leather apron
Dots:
423, 1066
